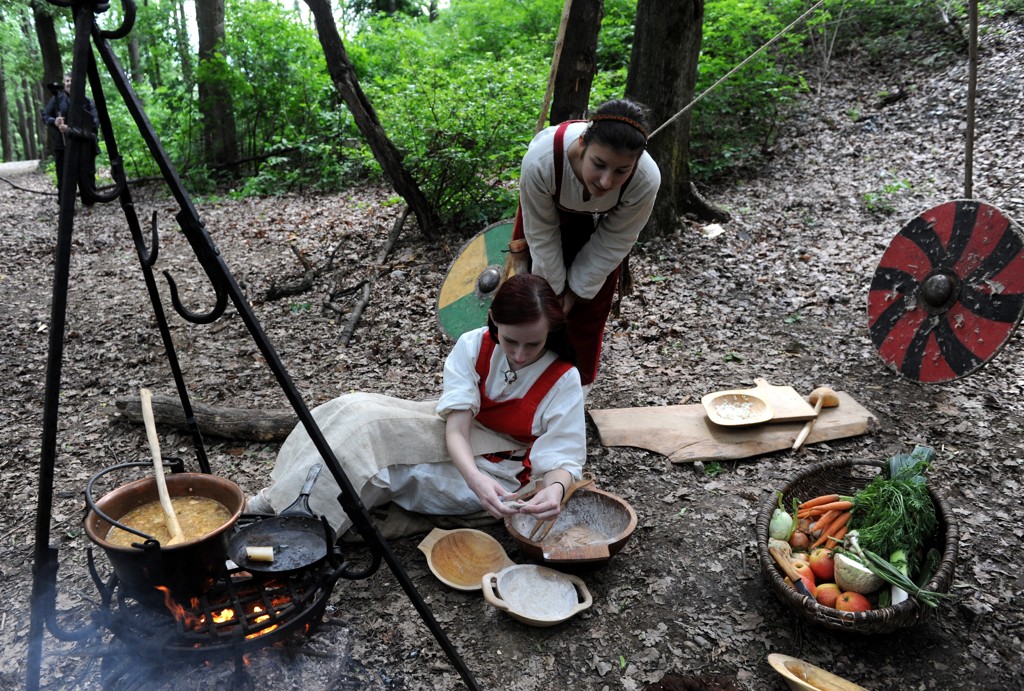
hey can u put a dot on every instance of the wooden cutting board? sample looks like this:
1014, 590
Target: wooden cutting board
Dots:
684, 433
785, 402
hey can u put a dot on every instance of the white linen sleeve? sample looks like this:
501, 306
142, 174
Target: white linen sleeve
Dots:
461, 383
541, 224
562, 435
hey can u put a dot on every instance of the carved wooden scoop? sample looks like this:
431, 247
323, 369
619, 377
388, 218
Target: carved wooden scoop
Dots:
821, 396
158, 468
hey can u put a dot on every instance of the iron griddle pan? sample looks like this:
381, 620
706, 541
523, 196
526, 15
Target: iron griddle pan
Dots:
299, 537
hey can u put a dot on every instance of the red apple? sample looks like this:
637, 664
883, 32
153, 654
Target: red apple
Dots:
827, 594
821, 564
804, 569
852, 602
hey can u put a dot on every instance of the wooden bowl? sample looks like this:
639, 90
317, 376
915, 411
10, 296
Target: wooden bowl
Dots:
536, 595
733, 409
593, 527
460, 558
803, 676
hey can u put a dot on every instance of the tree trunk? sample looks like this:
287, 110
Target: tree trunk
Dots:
578, 63
219, 137
31, 116
6, 146
26, 143
662, 76
49, 49
53, 71
181, 41
134, 60
343, 74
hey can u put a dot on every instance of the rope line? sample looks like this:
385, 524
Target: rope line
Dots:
738, 67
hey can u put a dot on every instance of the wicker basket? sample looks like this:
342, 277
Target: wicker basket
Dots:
845, 477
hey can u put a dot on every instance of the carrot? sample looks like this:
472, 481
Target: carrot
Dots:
842, 505
823, 499
833, 528
810, 513
824, 520
835, 539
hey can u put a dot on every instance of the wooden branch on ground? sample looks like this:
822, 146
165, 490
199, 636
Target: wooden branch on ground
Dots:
239, 424
364, 300
297, 286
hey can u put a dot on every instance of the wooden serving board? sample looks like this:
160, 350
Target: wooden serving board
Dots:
785, 402
684, 433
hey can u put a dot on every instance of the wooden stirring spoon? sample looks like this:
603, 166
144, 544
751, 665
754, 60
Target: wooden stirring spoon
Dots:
170, 517
820, 397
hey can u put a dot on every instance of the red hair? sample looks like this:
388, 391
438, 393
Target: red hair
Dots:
525, 298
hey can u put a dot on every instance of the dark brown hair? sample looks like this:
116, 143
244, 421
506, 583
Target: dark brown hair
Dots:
619, 124
525, 298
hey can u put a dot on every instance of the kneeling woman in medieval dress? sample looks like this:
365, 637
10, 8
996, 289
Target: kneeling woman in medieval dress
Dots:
511, 411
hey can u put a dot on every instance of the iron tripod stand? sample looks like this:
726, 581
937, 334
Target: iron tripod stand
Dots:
88, 33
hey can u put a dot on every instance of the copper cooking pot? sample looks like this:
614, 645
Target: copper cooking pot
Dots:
186, 569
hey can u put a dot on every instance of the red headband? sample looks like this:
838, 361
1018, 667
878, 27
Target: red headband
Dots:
622, 118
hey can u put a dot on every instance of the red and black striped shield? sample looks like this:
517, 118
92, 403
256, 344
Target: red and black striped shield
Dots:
948, 292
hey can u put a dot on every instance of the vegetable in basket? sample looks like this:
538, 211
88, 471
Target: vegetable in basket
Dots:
782, 523
895, 516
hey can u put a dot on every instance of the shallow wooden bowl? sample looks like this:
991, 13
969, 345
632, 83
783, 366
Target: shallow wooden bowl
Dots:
460, 558
732, 409
803, 676
593, 527
536, 595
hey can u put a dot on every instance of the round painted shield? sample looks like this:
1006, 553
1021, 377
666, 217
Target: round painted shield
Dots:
948, 292
473, 278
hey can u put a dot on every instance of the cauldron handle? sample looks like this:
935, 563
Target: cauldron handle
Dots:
176, 465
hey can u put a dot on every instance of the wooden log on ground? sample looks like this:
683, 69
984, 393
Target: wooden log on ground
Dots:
239, 424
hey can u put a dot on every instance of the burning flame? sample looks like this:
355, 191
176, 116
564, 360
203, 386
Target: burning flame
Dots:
228, 616
187, 619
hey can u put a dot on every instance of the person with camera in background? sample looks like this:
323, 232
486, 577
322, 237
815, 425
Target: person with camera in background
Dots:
55, 115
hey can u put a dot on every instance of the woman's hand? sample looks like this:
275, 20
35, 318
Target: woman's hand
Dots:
568, 300
546, 503
491, 494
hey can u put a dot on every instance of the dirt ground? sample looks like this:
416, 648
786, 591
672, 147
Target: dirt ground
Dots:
781, 294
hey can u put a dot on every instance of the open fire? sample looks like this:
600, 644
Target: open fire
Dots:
246, 609
253, 617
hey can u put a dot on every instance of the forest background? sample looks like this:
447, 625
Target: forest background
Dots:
457, 89
816, 191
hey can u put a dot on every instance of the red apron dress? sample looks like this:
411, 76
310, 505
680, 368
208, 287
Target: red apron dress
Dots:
587, 319
514, 417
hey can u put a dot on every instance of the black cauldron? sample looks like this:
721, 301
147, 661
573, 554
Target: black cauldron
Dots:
186, 569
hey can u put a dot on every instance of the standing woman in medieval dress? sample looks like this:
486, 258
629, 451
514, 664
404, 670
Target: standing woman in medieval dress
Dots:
587, 189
